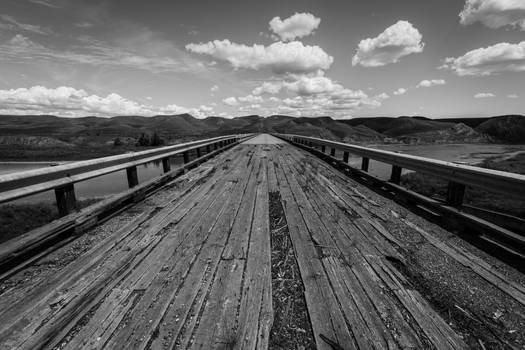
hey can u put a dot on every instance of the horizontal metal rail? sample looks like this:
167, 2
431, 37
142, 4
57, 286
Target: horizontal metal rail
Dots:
458, 175
63, 177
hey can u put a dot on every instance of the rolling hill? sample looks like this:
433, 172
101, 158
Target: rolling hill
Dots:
51, 130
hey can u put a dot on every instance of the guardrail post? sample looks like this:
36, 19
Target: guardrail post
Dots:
364, 163
215, 146
186, 157
166, 165
208, 149
133, 179
395, 176
346, 155
66, 200
332, 152
198, 150
323, 148
455, 193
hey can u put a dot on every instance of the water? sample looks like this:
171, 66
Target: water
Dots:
98, 187
471, 154
117, 182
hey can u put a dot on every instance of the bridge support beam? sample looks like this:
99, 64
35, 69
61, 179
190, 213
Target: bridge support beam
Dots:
66, 199
166, 165
395, 176
133, 179
455, 193
364, 164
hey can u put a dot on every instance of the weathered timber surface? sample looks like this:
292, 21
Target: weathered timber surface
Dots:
194, 271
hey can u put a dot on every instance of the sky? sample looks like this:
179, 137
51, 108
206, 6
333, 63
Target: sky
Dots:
229, 58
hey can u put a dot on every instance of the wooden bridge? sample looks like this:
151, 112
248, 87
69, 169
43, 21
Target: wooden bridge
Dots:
192, 259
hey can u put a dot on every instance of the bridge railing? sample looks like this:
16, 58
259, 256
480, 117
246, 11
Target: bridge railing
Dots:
62, 178
457, 175
503, 232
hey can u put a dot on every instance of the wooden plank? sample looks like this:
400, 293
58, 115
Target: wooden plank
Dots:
159, 224
256, 314
438, 332
323, 308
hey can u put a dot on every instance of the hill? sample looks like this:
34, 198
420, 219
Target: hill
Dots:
90, 136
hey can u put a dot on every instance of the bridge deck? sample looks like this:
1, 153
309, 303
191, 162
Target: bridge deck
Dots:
191, 267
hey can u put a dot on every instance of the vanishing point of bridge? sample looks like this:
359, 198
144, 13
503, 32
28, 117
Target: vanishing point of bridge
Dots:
186, 261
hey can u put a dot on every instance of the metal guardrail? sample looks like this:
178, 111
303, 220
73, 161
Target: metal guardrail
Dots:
63, 177
457, 175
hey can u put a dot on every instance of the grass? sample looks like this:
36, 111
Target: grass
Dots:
430, 186
17, 219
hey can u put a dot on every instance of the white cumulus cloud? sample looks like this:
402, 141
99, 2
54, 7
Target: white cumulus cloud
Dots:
429, 83
494, 13
70, 102
484, 95
214, 88
399, 40
400, 91
231, 101
290, 57
251, 99
502, 57
512, 96
297, 26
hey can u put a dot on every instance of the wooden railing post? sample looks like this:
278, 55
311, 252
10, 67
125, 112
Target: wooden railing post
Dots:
133, 179
166, 165
364, 163
208, 149
66, 200
186, 157
198, 150
215, 146
346, 155
395, 176
332, 152
323, 148
455, 193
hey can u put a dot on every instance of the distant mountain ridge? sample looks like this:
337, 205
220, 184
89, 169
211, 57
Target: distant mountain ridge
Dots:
506, 129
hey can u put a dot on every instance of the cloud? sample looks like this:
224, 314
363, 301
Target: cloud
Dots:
10, 23
251, 99
93, 52
291, 57
484, 95
214, 88
270, 88
400, 91
429, 83
314, 95
70, 102
44, 3
494, 13
84, 25
397, 41
231, 101
502, 57
512, 96
297, 26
